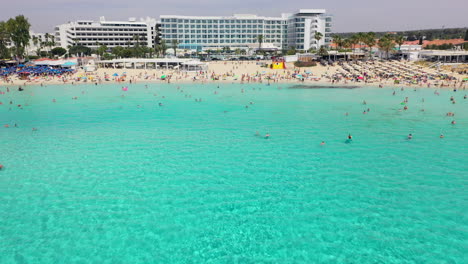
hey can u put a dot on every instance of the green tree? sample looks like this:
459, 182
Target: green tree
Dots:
4, 38
46, 42
260, 42
386, 44
291, 51
117, 51
58, 51
101, 50
466, 35
318, 36
163, 48
78, 50
175, 43
338, 41
370, 41
346, 45
360, 39
18, 29
399, 39
322, 51
354, 40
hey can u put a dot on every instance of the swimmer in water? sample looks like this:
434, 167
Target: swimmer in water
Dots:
323, 143
410, 136
464, 97
34, 129
267, 136
350, 137
405, 108
441, 136
453, 122
160, 104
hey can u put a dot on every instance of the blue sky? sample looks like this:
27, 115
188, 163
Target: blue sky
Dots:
349, 16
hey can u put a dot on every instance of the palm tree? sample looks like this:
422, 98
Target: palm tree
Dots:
354, 40
175, 43
260, 41
360, 38
35, 41
370, 41
157, 50
346, 45
52, 40
163, 48
338, 41
318, 36
399, 39
386, 43
46, 42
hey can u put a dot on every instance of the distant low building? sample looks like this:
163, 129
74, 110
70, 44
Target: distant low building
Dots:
92, 34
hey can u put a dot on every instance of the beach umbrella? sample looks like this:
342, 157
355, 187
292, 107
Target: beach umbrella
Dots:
466, 79
115, 74
163, 77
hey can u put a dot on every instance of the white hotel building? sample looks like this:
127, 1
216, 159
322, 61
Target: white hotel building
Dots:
241, 31
110, 33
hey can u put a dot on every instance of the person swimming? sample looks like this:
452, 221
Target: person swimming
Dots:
410, 136
323, 143
453, 122
160, 104
267, 136
1, 167
350, 137
441, 136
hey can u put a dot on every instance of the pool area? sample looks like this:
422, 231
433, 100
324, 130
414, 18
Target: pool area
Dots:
156, 175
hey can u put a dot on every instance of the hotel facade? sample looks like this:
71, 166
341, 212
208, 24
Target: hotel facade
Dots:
204, 33
241, 31
92, 34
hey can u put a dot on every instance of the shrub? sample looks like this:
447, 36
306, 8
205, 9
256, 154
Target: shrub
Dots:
305, 63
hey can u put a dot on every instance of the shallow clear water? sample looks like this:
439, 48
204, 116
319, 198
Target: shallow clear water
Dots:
106, 181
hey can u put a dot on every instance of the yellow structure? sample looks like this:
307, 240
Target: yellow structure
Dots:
278, 64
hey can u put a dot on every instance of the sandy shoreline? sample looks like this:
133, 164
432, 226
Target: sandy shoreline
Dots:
228, 72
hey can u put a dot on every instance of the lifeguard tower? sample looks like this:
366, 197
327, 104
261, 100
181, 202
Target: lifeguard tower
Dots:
278, 63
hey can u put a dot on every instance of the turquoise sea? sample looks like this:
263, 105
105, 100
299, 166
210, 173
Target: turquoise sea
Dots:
112, 179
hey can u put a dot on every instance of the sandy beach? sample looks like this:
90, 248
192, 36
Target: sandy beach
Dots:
234, 72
